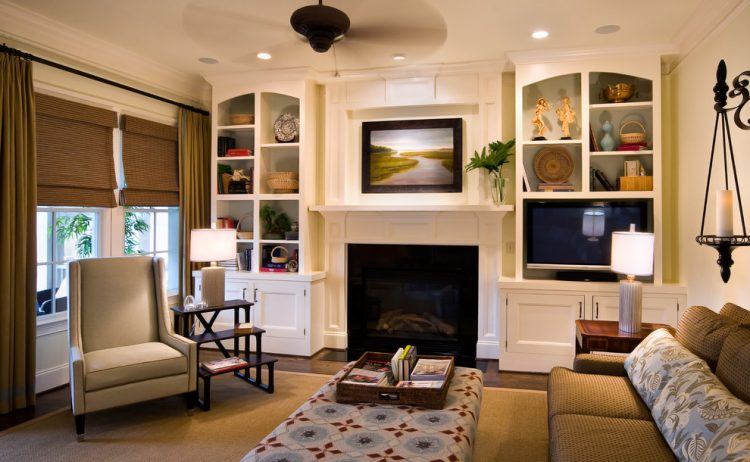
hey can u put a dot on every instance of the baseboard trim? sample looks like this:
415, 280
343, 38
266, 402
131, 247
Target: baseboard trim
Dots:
520, 362
335, 340
52, 377
488, 349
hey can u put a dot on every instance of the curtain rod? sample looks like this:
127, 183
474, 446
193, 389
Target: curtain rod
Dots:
28, 56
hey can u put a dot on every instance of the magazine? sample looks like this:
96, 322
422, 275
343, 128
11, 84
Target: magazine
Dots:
377, 365
430, 369
420, 384
364, 377
225, 364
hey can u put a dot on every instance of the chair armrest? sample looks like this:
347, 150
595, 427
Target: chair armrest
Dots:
188, 348
600, 364
77, 380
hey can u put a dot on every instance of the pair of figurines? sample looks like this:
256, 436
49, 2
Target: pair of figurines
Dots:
565, 114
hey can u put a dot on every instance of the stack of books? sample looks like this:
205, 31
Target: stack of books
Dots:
403, 362
427, 373
239, 152
224, 143
226, 364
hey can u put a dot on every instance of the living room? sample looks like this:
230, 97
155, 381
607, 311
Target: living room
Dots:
374, 230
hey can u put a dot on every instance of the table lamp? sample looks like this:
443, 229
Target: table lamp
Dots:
212, 245
632, 255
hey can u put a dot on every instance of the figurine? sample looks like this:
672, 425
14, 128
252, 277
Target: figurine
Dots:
642, 172
607, 143
239, 175
542, 106
566, 115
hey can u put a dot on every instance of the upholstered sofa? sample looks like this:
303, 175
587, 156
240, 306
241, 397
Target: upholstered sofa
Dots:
679, 396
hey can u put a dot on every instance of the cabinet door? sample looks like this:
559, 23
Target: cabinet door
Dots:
280, 308
543, 323
656, 308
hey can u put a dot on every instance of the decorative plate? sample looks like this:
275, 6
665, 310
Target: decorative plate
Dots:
286, 128
553, 164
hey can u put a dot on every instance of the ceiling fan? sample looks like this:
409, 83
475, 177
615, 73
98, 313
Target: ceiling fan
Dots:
320, 24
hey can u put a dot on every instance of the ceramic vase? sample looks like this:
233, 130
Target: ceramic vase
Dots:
607, 143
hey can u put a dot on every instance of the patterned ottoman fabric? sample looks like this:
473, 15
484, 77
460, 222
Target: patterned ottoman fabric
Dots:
322, 429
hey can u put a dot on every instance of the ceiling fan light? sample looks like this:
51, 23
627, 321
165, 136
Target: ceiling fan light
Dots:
321, 25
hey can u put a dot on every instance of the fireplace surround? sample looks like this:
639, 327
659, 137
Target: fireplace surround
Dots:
424, 295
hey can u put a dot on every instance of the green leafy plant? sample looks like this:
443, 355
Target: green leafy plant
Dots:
134, 225
76, 226
275, 222
493, 160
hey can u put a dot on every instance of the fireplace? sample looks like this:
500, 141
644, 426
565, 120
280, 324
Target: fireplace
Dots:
424, 295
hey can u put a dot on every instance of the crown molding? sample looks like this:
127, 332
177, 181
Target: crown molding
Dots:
556, 55
54, 40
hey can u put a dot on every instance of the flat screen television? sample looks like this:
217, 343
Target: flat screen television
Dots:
578, 234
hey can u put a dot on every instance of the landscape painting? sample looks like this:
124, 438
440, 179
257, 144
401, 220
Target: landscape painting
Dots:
411, 156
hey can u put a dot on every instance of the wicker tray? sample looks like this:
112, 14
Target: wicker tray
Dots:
430, 398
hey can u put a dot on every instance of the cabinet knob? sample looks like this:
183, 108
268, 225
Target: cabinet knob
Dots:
244, 291
255, 295
580, 310
597, 310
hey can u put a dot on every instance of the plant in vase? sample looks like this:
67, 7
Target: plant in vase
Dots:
275, 224
493, 161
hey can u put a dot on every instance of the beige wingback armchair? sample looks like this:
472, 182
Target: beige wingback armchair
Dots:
123, 348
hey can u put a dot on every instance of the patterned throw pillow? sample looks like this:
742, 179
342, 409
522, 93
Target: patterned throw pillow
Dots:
700, 419
652, 363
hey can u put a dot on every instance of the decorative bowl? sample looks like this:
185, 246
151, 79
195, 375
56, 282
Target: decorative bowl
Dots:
618, 93
242, 119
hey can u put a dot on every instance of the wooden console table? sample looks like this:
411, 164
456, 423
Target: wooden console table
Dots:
183, 323
593, 335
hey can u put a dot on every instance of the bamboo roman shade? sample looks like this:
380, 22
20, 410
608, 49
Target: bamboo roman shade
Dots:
149, 156
75, 162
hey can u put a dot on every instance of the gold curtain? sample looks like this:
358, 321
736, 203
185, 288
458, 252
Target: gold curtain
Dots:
17, 234
194, 134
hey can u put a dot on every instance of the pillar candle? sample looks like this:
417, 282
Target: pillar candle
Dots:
724, 215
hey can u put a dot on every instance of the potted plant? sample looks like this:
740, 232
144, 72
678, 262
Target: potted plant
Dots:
275, 224
493, 162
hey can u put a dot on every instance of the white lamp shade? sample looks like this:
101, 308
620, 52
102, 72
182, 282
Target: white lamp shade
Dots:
207, 245
633, 253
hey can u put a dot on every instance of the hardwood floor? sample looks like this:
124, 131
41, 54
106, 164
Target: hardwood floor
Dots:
326, 362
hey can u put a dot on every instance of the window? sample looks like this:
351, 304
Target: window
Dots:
155, 231
63, 234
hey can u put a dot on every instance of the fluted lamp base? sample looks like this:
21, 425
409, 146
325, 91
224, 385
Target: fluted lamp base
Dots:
631, 305
212, 285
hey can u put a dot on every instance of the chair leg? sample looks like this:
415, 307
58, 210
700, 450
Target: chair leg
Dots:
80, 426
192, 400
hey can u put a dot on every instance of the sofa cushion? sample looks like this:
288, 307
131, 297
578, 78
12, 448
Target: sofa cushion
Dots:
703, 332
700, 419
736, 313
591, 394
133, 363
652, 363
582, 438
734, 364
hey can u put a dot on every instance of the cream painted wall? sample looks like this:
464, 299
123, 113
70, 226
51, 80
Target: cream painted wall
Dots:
692, 127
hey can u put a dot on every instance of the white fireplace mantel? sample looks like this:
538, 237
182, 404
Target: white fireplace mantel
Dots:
479, 225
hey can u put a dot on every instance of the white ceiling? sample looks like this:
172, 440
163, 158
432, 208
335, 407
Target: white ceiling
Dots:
178, 32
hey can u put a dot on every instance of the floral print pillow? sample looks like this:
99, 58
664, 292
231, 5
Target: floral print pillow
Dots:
651, 365
700, 418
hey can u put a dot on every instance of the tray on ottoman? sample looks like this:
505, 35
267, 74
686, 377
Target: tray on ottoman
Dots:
430, 398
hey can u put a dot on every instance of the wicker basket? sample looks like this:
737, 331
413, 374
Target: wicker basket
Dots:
244, 234
282, 256
283, 182
242, 119
430, 398
632, 137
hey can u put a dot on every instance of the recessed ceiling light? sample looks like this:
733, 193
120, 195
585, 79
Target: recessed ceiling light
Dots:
263, 55
607, 29
206, 60
399, 57
540, 34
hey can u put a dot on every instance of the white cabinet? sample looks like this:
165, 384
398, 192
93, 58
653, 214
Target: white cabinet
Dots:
537, 322
289, 310
656, 309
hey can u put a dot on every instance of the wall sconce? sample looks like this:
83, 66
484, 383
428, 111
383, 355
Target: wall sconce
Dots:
725, 240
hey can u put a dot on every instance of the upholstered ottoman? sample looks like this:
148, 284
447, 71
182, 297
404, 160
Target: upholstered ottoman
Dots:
322, 429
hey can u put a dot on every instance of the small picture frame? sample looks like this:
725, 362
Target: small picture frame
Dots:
632, 167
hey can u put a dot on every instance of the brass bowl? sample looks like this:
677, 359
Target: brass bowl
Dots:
618, 93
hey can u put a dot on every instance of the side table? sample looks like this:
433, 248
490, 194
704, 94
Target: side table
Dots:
594, 335
254, 359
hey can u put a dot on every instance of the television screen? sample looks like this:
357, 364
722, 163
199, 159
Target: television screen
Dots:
568, 233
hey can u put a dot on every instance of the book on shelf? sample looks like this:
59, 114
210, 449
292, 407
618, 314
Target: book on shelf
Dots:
602, 179
633, 147
555, 187
430, 370
420, 384
364, 377
264, 269
223, 144
593, 143
224, 364
243, 328
239, 152
228, 264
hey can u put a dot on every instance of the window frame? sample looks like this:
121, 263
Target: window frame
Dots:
171, 212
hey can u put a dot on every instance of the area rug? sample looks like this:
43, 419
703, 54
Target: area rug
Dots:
512, 426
